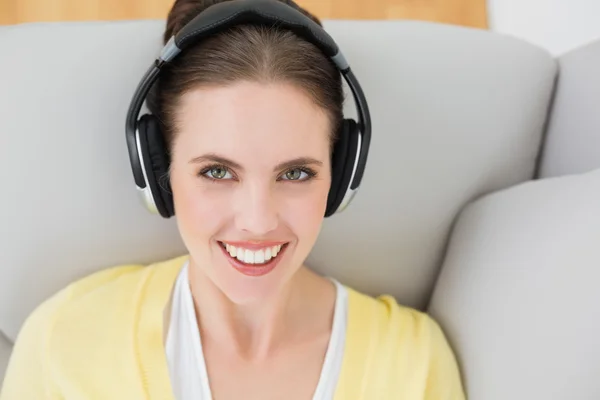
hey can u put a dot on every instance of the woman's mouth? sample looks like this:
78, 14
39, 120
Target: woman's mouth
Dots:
254, 261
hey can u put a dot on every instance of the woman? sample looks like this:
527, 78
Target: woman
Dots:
249, 118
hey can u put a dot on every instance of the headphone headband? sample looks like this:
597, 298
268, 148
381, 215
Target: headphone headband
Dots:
226, 14
221, 16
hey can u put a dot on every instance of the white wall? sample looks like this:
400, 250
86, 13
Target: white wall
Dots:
557, 25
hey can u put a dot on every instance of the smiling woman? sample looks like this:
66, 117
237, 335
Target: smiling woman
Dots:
249, 143
258, 135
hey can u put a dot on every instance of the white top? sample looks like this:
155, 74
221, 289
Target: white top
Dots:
185, 357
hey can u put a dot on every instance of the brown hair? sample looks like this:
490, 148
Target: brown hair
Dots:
244, 52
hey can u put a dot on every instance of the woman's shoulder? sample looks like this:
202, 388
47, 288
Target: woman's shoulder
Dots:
389, 317
109, 282
89, 322
395, 349
100, 296
404, 347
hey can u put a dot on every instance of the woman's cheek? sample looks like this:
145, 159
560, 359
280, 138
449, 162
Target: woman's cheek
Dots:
303, 208
201, 206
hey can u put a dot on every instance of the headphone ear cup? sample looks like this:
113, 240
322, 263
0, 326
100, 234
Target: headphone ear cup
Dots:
338, 160
156, 164
344, 155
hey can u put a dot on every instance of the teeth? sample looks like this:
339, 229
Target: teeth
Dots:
249, 257
259, 257
275, 250
253, 257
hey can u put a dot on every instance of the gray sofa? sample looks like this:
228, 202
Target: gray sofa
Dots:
480, 203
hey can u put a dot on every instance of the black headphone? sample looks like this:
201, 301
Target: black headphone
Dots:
147, 150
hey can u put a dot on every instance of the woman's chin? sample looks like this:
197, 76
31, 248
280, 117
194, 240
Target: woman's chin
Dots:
246, 283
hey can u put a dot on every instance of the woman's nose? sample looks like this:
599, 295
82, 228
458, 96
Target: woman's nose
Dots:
256, 209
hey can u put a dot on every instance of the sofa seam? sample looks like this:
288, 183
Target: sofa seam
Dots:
4, 336
545, 134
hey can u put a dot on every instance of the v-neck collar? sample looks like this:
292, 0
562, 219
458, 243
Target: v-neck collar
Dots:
153, 324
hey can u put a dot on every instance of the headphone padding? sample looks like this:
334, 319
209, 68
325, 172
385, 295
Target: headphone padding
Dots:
156, 164
342, 163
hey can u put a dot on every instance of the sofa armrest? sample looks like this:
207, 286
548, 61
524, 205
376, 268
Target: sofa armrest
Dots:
519, 294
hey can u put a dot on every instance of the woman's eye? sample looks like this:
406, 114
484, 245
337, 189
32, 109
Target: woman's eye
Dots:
218, 173
296, 174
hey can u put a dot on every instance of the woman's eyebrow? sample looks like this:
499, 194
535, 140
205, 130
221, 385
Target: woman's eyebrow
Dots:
298, 162
212, 157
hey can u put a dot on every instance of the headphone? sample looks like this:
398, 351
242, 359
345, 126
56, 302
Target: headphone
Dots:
148, 153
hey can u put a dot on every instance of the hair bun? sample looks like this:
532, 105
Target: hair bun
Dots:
182, 12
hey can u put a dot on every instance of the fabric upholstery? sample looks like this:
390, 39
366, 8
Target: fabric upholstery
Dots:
457, 113
447, 128
519, 292
573, 142
5, 350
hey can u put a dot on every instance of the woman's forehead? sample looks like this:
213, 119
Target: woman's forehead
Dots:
252, 120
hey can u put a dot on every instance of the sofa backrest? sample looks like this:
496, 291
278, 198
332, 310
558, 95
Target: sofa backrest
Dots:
518, 295
573, 138
457, 113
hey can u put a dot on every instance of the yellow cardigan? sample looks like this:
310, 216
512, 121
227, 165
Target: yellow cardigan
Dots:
102, 338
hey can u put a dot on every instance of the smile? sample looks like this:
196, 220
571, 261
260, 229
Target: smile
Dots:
248, 256
255, 261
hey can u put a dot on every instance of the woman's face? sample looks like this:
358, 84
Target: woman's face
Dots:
250, 174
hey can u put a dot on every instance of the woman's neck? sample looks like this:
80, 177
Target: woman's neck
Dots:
255, 331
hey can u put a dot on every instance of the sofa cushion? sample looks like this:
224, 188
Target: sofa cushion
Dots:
457, 112
519, 293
